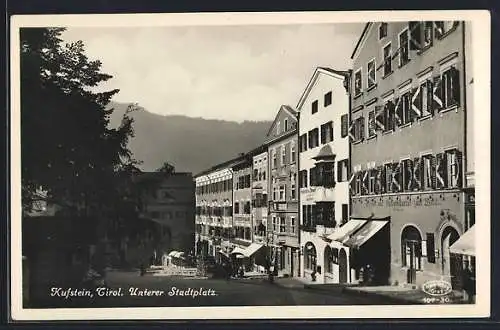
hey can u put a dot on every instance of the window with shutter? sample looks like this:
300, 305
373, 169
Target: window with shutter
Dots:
403, 48
389, 116
417, 173
441, 169
396, 177
361, 121
344, 125
371, 76
437, 94
388, 178
428, 34
387, 59
371, 123
416, 35
416, 104
357, 82
426, 97
398, 111
379, 118
454, 175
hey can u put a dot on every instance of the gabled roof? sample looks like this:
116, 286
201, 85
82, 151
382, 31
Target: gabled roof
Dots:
363, 35
286, 108
310, 84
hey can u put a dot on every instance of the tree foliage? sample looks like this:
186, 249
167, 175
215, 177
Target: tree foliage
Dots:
68, 148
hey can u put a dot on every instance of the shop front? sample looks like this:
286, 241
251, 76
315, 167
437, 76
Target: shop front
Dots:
421, 228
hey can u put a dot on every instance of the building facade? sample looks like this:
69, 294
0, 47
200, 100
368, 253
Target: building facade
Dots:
323, 175
214, 210
260, 181
242, 204
408, 111
170, 204
283, 233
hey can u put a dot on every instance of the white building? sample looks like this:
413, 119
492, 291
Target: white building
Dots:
323, 175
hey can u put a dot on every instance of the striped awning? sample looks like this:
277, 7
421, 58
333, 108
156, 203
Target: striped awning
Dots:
466, 244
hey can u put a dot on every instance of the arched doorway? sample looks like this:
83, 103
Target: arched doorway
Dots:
411, 252
450, 263
343, 269
310, 256
328, 261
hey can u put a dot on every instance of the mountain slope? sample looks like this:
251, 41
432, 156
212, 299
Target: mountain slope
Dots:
190, 144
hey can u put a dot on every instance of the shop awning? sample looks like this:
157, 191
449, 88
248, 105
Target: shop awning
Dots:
172, 253
254, 247
466, 244
365, 233
238, 250
343, 233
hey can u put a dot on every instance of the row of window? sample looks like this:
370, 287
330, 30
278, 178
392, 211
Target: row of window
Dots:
418, 36
428, 172
319, 214
323, 174
245, 208
216, 211
292, 155
259, 174
281, 225
280, 191
421, 102
311, 139
215, 187
243, 182
327, 100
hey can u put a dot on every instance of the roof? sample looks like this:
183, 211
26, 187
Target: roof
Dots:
294, 113
226, 164
363, 34
317, 71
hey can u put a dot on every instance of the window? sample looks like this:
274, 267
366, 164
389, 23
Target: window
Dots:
382, 30
403, 104
303, 142
423, 101
404, 48
303, 179
448, 88
358, 83
283, 155
441, 170
293, 193
372, 74
282, 225
246, 209
454, 160
428, 35
275, 225
371, 181
359, 129
292, 152
342, 170
328, 260
327, 132
328, 99
371, 123
345, 213
442, 28
236, 208
407, 175
428, 175
293, 225
314, 107
310, 256
282, 193
313, 138
387, 59
388, 177
275, 161
285, 125
275, 193
389, 113
324, 174
344, 119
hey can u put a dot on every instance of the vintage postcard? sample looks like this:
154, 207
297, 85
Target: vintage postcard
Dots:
250, 165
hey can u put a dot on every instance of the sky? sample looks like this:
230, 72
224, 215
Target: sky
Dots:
236, 73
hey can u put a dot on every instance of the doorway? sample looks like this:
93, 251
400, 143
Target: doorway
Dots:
342, 266
450, 263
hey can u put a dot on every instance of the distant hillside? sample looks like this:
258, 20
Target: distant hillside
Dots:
190, 144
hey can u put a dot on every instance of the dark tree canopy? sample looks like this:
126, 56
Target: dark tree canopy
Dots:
68, 149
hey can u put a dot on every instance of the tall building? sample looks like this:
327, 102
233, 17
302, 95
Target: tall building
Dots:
283, 232
260, 175
323, 174
408, 124
214, 210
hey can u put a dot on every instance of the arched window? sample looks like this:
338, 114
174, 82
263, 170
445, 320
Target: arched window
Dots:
411, 248
310, 256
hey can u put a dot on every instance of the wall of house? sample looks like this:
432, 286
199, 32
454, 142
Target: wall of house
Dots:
260, 186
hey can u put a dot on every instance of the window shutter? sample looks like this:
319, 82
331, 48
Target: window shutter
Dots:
437, 94
382, 179
440, 171
352, 184
429, 95
361, 128
379, 118
459, 167
418, 173
416, 104
415, 35
455, 86
410, 182
378, 180
344, 125
439, 29
398, 114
